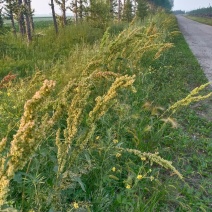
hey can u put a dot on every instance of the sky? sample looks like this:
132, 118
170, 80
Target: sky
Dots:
191, 4
42, 6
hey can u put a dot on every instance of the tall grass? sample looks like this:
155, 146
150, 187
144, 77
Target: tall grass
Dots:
85, 133
46, 49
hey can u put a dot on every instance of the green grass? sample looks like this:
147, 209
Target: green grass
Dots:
190, 146
203, 20
93, 182
41, 19
46, 49
39, 22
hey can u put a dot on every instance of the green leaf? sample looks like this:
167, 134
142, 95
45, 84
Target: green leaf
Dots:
113, 177
78, 179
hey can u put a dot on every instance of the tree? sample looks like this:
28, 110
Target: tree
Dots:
54, 16
31, 16
112, 5
99, 13
178, 12
9, 8
81, 9
1, 19
142, 8
119, 10
78, 7
128, 11
20, 16
22, 12
1, 16
74, 8
27, 14
166, 4
62, 5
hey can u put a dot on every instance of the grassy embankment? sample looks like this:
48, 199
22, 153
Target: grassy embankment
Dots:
90, 112
203, 20
202, 15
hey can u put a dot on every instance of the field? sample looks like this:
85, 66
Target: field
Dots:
202, 15
35, 19
40, 22
104, 120
203, 20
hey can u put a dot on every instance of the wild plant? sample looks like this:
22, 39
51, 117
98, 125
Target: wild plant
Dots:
6, 80
78, 137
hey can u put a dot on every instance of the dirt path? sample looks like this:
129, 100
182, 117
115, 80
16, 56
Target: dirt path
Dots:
199, 39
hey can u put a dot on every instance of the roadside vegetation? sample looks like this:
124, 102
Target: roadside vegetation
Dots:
104, 119
202, 15
179, 12
203, 20
202, 12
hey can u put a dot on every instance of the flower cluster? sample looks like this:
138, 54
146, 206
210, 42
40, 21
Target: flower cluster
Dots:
25, 140
192, 97
7, 79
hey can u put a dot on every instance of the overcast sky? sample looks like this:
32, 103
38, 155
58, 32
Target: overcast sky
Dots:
42, 6
191, 4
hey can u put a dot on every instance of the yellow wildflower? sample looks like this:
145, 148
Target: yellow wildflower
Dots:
3, 144
118, 155
128, 186
8, 94
115, 141
152, 178
76, 205
143, 158
139, 177
114, 169
97, 137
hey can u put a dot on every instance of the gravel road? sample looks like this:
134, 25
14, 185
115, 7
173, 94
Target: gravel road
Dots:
199, 39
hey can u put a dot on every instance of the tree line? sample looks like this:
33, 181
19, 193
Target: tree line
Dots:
99, 12
179, 12
204, 12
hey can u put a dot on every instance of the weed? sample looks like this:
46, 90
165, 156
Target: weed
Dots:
95, 136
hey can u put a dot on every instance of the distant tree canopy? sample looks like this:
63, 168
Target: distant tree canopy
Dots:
142, 9
178, 12
127, 11
166, 4
97, 12
20, 11
1, 18
204, 12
